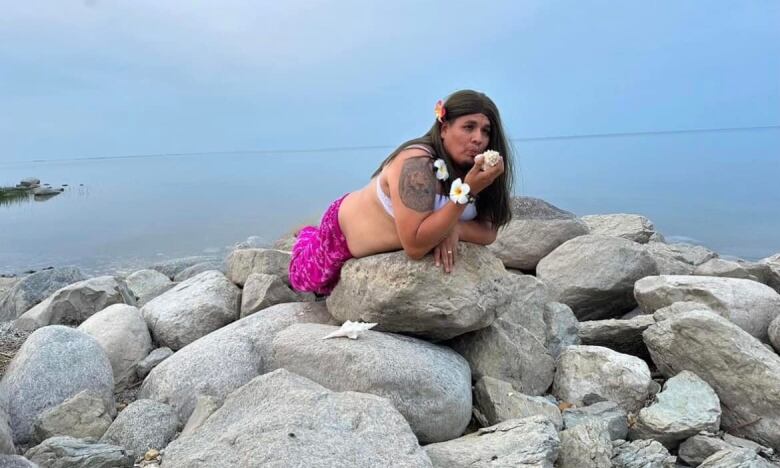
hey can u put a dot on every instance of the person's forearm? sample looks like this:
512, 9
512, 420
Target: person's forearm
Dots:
434, 229
476, 232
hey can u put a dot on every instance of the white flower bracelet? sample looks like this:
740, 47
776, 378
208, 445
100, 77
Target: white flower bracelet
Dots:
459, 192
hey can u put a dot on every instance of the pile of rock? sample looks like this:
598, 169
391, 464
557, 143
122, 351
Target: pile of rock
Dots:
619, 350
33, 184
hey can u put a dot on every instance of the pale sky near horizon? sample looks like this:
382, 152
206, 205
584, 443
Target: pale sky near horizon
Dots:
111, 78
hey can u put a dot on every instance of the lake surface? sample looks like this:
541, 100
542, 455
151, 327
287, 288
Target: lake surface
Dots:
721, 190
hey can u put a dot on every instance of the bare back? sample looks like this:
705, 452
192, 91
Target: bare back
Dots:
368, 228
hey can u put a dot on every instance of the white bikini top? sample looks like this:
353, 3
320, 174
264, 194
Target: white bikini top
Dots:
441, 200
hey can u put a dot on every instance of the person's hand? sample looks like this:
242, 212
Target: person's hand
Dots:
444, 254
481, 175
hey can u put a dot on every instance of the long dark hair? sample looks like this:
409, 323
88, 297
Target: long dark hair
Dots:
493, 203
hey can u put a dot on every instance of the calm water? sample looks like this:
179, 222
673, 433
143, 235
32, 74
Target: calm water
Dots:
719, 190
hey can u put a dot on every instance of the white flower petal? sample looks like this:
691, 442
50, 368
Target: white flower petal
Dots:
441, 169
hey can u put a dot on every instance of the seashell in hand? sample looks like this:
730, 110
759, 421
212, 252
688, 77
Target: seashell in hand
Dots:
491, 157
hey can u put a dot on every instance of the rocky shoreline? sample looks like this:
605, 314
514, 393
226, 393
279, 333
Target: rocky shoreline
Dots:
570, 342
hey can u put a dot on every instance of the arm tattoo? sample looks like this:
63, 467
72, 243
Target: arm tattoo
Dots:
417, 185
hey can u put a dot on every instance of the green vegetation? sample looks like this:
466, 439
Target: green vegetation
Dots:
13, 195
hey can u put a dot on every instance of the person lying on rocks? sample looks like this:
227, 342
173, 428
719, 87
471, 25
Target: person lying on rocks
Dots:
451, 184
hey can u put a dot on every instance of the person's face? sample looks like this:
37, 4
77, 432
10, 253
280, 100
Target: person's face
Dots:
466, 137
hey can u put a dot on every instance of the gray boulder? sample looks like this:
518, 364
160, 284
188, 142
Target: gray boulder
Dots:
561, 328
429, 384
16, 461
30, 182
509, 352
82, 416
243, 262
281, 419
696, 449
772, 271
6, 284
34, 288
199, 268
192, 309
774, 333
529, 300
537, 228
285, 242
586, 445
77, 302
262, 291
736, 458
152, 360
595, 275
623, 336
171, 268
147, 284
54, 364
512, 348
628, 226
741, 370
677, 308
69, 452
46, 191
609, 412
586, 371
255, 242
121, 331
6, 437
204, 407
143, 425
403, 295
226, 359
686, 406
750, 305
498, 401
739, 442
678, 259
641, 454
528, 442
723, 268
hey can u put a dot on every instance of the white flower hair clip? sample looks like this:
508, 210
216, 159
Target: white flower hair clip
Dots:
351, 330
441, 169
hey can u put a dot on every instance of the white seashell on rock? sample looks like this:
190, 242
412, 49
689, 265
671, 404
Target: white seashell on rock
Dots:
350, 330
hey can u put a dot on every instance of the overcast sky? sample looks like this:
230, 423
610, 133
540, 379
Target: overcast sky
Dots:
112, 78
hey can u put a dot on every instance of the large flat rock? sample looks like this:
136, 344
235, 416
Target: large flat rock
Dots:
281, 420
536, 229
415, 297
595, 275
226, 359
750, 305
429, 384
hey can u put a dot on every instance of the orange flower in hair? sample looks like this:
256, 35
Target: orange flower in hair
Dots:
439, 111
